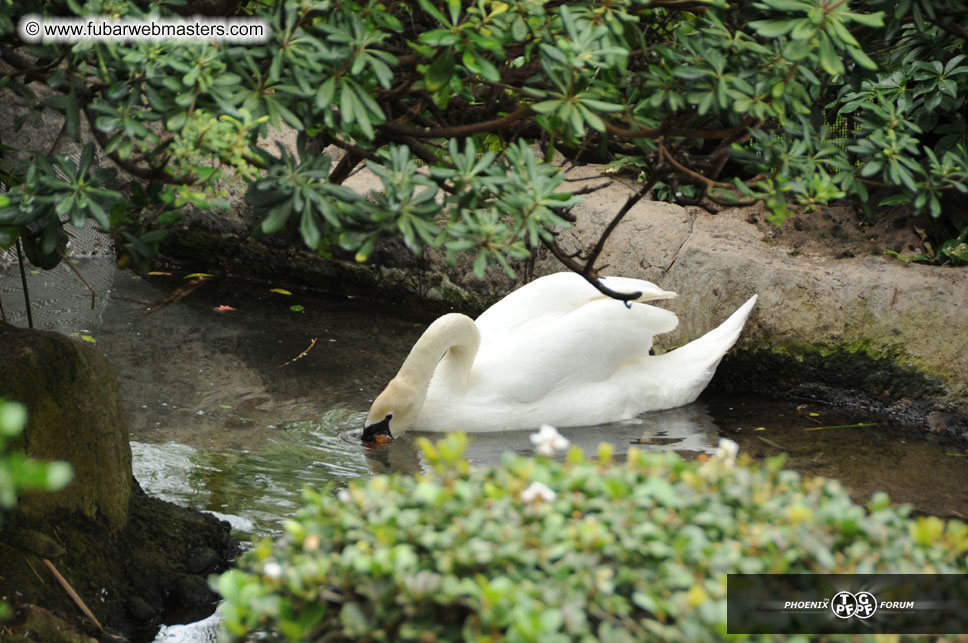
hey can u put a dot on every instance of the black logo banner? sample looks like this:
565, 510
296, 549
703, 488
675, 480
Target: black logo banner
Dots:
847, 603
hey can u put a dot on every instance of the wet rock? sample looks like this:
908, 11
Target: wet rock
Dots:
34, 623
945, 423
201, 560
191, 591
36, 543
141, 611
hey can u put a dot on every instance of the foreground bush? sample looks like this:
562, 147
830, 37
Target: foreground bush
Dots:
548, 551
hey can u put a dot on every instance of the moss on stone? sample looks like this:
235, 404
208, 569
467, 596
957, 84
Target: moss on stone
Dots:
859, 366
127, 577
75, 414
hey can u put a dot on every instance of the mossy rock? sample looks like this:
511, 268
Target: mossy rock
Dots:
75, 414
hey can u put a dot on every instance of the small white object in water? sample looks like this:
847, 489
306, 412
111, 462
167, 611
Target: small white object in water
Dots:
548, 441
727, 451
538, 491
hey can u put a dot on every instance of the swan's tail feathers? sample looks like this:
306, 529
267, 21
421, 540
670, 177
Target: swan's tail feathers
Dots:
693, 365
711, 347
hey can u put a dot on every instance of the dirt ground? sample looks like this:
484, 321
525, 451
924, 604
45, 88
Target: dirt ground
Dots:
842, 231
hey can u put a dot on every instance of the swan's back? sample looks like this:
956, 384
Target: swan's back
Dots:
569, 351
550, 297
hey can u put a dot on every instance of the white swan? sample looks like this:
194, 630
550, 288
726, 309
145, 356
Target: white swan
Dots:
555, 351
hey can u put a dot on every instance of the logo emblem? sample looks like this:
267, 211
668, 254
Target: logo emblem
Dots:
846, 605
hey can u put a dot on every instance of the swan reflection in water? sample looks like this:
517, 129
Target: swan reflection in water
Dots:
687, 429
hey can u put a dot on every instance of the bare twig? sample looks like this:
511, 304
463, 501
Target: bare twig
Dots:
70, 265
176, 295
302, 354
574, 266
23, 282
685, 170
589, 268
74, 595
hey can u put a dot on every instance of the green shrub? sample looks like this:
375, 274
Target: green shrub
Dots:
622, 551
708, 101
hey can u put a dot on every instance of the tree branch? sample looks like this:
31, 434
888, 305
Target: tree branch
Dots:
575, 267
459, 130
656, 132
589, 268
665, 155
588, 271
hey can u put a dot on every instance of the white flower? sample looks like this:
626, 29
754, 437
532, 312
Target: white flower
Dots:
726, 453
272, 569
548, 441
537, 491
344, 496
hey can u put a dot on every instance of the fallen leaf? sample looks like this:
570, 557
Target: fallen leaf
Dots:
224, 309
281, 291
158, 273
89, 338
297, 308
197, 274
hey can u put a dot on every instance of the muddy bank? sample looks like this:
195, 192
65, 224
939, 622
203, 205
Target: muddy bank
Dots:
158, 562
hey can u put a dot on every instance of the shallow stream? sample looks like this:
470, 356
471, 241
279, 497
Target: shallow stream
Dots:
226, 417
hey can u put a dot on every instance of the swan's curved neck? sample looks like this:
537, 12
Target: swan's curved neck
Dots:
449, 345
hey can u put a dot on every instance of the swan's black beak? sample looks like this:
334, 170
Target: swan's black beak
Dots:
378, 433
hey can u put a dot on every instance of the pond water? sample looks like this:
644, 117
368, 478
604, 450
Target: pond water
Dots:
226, 417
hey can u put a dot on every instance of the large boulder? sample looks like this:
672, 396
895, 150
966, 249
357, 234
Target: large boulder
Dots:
75, 414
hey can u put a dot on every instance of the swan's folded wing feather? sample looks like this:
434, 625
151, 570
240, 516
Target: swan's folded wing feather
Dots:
553, 354
549, 298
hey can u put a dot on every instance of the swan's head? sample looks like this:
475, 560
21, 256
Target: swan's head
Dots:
393, 412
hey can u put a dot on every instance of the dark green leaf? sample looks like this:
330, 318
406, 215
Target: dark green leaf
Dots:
440, 70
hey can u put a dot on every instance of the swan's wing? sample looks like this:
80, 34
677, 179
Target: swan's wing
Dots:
551, 297
550, 354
